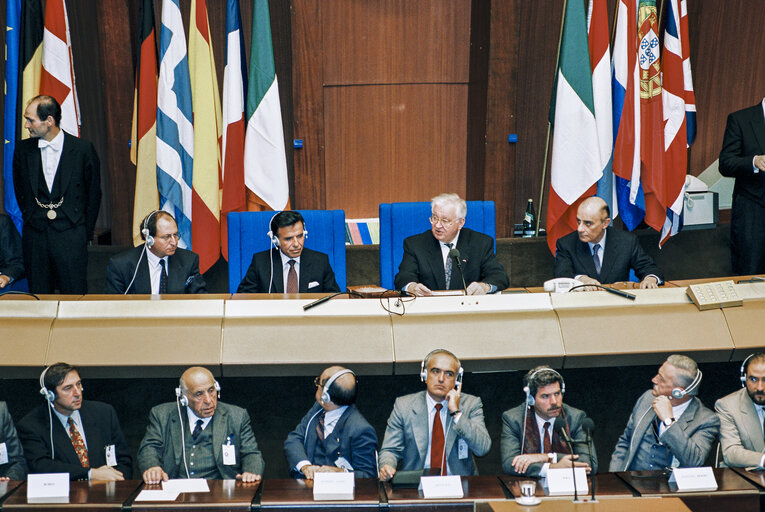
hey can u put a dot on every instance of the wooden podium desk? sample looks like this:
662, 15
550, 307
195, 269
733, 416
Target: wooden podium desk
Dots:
475, 488
224, 495
83, 497
297, 495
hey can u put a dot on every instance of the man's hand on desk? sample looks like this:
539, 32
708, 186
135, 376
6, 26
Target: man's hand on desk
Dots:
107, 473
248, 477
649, 282
565, 462
4, 280
309, 470
522, 462
588, 280
386, 472
418, 289
476, 288
155, 475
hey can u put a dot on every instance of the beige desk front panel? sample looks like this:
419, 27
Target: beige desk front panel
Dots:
497, 332
138, 333
24, 331
747, 327
279, 338
600, 329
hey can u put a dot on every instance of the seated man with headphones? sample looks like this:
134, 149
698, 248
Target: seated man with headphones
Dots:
158, 266
70, 435
669, 427
198, 437
333, 436
741, 417
288, 267
440, 428
533, 440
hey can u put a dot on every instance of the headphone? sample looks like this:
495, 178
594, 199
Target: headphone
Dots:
184, 401
679, 393
145, 230
527, 389
744, 368
272, 235
325, 397
45, 392
424, 370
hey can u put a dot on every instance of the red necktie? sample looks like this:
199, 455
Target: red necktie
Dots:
79, 444
437, 441
292, 279
547, 442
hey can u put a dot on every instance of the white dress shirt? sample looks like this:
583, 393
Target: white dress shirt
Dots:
155, 270
50, 152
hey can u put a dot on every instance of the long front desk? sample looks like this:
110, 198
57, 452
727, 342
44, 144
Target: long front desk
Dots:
614, 491
263, 335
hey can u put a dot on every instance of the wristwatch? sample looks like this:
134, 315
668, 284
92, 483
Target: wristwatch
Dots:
668, 422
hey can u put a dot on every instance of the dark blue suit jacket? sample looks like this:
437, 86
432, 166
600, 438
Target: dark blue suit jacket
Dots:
314, 268
16, 467
182, 273
352, 438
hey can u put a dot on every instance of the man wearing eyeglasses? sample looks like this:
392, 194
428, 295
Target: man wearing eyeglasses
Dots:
333, 436
429, 262
157, 267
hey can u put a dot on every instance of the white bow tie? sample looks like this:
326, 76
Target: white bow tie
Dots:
42, 144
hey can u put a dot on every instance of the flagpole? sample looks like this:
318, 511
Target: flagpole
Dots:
549, 125
613, 29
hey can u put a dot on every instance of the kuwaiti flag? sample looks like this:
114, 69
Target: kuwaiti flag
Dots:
676, 62
205, 194
143, 147
576, 165
265, 159
175, 129
234, 197
12, 46
600, 59
30, 58
626, 104
57, 79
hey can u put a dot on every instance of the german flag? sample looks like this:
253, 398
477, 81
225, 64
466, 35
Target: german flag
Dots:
30, 58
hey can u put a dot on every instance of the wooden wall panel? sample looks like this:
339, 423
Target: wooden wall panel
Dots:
393, 143
395, 41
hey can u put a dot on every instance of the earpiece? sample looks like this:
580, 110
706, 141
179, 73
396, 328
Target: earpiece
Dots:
742, 371
272, 233
424, 370
325, 396
145, 231
526, 389
45, 392
679, 393
184, 401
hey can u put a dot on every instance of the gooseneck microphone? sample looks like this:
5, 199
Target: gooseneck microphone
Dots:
560, 427
454, 253
588, 426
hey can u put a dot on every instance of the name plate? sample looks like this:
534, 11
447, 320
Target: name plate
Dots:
179, 485
694, 479
333, 486
438, 487
48, 485
560, 481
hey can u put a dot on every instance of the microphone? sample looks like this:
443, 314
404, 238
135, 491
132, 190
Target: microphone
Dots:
454, 253
321, 301
588, 426
621, 293
560, 427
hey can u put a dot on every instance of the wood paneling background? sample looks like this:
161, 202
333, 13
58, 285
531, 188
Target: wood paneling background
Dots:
399, 100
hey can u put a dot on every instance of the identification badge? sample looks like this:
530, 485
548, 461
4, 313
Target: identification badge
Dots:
111, 455
3, 454
462, 449
343, 463
229, 455
51, 214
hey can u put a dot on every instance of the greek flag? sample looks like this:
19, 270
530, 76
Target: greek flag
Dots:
175, 128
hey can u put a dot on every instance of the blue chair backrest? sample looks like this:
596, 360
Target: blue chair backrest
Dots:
401, 220
247, 234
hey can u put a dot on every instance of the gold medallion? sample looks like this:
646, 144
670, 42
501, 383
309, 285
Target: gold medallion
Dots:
51, 214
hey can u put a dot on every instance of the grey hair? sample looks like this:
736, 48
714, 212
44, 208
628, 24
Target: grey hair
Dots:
688, 369
459, 204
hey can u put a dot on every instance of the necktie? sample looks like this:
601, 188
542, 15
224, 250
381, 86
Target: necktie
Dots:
79, 444
547, 442
162, 277
448, 266
292, 279
320, 427
437, 441
197, 429
595, 259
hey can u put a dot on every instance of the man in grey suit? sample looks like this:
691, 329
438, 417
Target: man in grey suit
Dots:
12, 463
333, 436
669, 426
741, 417
530, 444
439, 424
198, 437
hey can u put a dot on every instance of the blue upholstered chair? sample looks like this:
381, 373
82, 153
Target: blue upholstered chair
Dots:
247, 235
400, 220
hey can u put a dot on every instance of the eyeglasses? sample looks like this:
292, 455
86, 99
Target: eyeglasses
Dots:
444, 222
166, 238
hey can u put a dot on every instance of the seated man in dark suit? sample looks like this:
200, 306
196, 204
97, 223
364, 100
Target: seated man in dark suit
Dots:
11, 256
596, 253
347, 441
429, 257
87, 439
304, 270
159, 266
12, 463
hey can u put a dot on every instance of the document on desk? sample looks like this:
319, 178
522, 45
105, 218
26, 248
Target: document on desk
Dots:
186, 485
157, 495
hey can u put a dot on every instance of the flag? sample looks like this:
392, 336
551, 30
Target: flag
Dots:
175, 128
600, 59
30, 58
234, 86
676, 61
12, 47
576, 165
626, 104
57, 79
205, 194
265, 160
143, 145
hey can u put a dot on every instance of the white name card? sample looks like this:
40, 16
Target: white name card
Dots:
180, 485
156, 495
333, 486
438, 487
694, 479
560, 481
48, 485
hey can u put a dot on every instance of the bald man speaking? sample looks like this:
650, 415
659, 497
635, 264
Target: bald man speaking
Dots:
597, 253
198, 437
